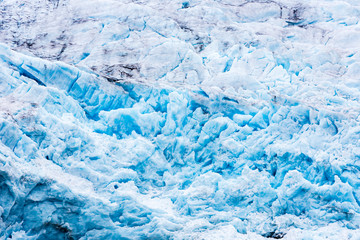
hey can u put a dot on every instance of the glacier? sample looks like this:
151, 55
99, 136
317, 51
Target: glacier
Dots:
179, 119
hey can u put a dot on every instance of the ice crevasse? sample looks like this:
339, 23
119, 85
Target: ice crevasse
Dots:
191, 136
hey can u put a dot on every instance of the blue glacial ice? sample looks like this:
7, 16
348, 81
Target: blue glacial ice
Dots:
179, 120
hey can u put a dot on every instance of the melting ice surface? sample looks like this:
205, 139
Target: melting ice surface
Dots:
179, 120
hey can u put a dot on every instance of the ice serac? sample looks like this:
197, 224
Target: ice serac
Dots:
179, 120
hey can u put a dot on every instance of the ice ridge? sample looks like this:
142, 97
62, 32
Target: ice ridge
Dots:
84, 158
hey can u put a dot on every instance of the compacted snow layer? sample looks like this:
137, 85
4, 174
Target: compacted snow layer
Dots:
179, 120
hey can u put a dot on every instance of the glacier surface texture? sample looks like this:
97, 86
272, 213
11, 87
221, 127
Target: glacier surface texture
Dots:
211, 119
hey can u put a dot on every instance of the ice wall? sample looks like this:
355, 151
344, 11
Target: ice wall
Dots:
179, 120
